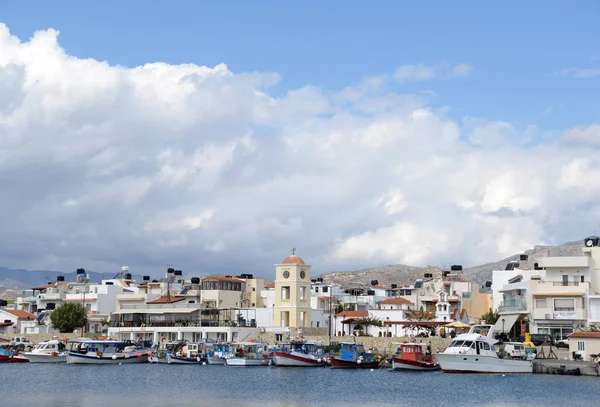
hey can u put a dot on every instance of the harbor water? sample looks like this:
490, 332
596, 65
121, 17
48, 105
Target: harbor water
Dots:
149, 385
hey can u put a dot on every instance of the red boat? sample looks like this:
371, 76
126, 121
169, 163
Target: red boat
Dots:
9, 357
411, 358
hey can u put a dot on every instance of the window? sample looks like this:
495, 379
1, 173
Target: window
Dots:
317, 324
278, 337
285, 293
325, 289
540, 303
565, 279
581, 345
486, 346
302, 293
564, 304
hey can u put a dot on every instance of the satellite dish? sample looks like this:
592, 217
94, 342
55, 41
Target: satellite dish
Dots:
589, 243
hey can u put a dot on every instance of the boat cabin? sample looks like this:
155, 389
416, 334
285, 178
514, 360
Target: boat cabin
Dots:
49, 346
251, 350
413, 351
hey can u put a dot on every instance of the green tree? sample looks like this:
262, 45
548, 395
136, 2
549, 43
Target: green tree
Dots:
490, 317
366, 322
68, 317
419, 320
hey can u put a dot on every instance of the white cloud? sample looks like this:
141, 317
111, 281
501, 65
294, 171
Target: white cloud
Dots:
580, 72
422, 72
589, 135
207, 169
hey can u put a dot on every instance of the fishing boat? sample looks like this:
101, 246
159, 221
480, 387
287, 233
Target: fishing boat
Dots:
217, 353
249, 354
8, 356
353, 356
298, 353
89, 351
411, 357
188, 354
475, 352
52, 351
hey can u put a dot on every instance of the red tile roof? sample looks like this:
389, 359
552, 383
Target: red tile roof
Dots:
595, 335
270, 286
20, 313
165, 300
293, 259
396, 301
353, 314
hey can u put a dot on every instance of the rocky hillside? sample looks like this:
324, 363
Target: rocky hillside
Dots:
404, 275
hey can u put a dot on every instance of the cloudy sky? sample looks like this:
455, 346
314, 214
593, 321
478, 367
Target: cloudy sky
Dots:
215, 139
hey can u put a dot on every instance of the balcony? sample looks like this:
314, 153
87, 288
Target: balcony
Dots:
572, 288
512, 305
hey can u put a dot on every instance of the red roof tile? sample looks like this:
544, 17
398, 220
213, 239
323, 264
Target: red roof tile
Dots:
353, 314
165, 300
396, 301
20, 313
595, 335
293, 259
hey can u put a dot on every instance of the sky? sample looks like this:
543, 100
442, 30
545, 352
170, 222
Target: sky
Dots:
215, 136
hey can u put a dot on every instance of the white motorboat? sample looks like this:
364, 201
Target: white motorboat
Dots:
88, 351
476, 352
52, 351
249, 354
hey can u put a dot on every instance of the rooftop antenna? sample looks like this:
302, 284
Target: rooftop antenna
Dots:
293, 251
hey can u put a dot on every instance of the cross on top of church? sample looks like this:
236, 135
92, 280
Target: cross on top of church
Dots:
293, 251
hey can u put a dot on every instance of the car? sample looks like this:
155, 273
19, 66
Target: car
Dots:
515, 350
562, 343
539, 339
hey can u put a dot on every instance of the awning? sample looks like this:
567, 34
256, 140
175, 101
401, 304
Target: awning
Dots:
509, 321
157, 311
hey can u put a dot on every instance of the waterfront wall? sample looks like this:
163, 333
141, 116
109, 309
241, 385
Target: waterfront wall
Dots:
379, 344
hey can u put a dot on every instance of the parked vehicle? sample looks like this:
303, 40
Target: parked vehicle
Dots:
562, 343
539, 339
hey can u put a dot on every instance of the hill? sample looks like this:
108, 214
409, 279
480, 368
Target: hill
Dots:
404, 275
18, 279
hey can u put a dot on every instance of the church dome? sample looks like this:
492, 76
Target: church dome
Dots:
293, 259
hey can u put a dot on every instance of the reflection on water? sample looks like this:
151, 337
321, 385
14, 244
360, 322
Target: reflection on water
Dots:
219, 386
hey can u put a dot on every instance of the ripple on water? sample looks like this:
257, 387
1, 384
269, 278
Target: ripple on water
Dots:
219, 386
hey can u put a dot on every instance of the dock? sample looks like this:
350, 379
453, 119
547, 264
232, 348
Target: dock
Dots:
565, 367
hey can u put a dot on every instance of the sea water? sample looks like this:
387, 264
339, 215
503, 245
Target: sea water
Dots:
147, 385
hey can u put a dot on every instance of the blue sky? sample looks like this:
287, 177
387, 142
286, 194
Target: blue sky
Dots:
398, 133
515, 47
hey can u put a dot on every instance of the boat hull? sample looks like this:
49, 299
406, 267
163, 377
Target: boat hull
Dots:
78, 359
157, 359
421, 366
178, 360
349, 364
13, 359
216, 361
247, 362
45, 357
456, 363
296, 360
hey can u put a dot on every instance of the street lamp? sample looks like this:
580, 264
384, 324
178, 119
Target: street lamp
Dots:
387, 326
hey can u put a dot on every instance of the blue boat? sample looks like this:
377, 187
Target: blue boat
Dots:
353, 356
